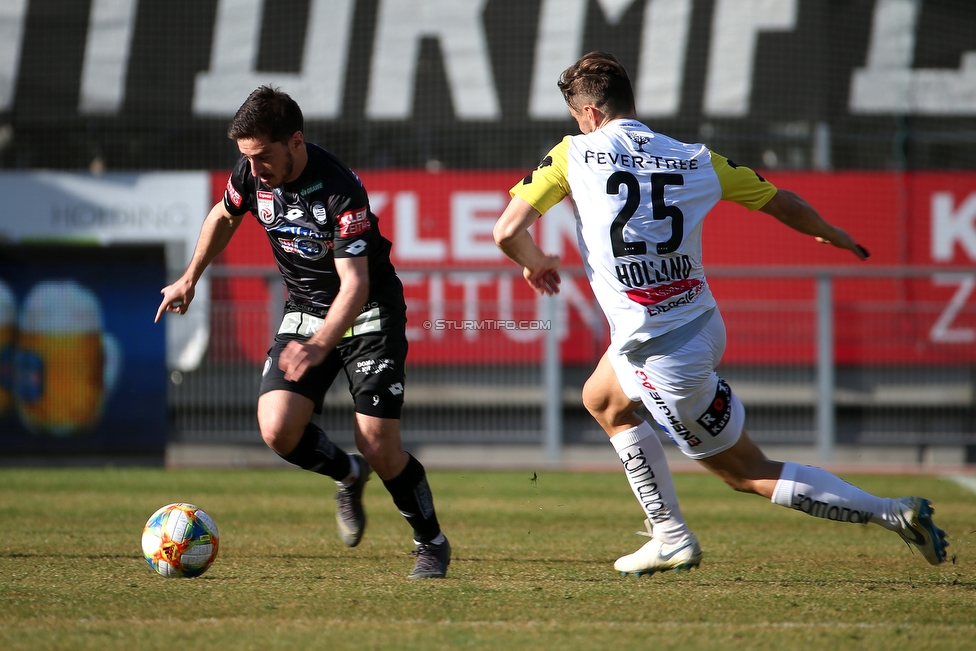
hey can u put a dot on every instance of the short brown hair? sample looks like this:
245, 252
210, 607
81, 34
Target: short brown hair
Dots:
598, 79
270, 112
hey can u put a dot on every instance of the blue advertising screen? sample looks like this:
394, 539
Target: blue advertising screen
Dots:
82, 365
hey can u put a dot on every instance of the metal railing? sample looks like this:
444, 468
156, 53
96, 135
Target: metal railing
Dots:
944, 388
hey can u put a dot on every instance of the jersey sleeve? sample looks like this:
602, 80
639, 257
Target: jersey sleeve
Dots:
237, 200
547, 184
741, 184
353, 233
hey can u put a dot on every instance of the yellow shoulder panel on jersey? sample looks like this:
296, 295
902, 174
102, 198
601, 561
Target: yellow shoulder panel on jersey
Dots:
547, 184
741, 184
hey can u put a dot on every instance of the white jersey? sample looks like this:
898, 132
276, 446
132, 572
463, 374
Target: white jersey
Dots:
640, 199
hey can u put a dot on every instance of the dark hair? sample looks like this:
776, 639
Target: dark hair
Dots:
267, 112
598, 79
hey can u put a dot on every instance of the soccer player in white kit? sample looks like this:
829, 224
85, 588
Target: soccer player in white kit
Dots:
640, 199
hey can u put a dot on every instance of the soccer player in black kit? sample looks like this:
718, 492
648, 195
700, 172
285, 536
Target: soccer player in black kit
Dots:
345, 311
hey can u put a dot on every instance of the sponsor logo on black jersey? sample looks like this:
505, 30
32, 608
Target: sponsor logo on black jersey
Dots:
265, 207
356, 247
306, 247
310, 189
304, 242
354, 222
233, 194
319, 213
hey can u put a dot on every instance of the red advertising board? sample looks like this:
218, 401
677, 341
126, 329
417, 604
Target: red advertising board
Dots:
468, 303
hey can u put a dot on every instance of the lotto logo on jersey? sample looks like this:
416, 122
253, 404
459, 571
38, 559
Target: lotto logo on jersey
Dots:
233, 194
265, 206
353, 223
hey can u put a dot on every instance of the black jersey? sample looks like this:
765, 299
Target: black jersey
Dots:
322, 215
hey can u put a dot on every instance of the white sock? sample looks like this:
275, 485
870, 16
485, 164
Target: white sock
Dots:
647, 470
353, 473
821, 494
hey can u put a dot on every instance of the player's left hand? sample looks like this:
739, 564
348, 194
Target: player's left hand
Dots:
842, 240
298, 357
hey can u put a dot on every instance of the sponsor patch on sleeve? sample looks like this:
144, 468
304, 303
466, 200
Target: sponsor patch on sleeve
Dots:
353, 223
232, 194
356, 248
719, 412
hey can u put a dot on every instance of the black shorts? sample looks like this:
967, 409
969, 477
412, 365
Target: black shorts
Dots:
373, 364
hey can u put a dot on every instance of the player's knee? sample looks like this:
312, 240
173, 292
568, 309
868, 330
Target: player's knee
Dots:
275, 440
375, 452
276, 434
595, 399
609, 407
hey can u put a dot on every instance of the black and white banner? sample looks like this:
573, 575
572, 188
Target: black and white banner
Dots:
180, 66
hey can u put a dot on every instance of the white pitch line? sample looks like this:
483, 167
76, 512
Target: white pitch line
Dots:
965, 482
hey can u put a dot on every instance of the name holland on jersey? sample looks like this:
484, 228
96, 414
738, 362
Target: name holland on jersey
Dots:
638, 274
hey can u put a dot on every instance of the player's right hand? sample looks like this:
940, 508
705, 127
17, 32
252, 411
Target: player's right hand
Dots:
176, 298
298, 357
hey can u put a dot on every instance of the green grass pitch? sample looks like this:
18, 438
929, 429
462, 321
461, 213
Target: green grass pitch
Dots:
532, 568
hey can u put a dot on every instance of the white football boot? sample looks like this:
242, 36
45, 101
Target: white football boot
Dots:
655, 556
917, 528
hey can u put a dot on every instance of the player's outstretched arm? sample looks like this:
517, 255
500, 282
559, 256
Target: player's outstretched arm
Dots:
791, 209
218, 228
511, 233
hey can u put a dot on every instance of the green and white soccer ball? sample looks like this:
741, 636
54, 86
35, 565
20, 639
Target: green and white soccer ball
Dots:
180, 540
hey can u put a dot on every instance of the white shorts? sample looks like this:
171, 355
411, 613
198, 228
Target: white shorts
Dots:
681, 390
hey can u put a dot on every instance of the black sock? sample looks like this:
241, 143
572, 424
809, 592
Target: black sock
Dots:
315, 452
411, 494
